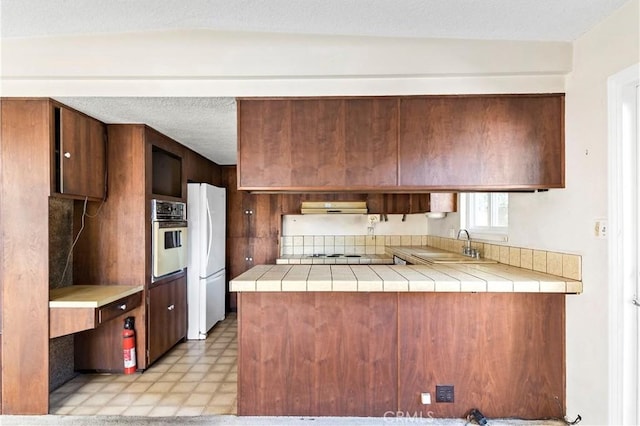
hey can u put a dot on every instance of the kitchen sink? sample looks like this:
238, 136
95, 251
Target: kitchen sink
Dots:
438, 255
333, 255
432, 257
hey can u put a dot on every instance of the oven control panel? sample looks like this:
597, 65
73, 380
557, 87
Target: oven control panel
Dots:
168, 210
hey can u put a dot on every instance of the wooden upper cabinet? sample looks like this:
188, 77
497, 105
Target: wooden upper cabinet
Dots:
318, 156
395, 144
81, 151
264, 144
371, 142
411, 203
317, 144
482, 142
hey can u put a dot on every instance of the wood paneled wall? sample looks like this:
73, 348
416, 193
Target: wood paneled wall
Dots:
367, 354
25, 176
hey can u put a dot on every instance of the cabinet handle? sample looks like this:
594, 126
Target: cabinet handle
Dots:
122, 307
67, 155
171, 307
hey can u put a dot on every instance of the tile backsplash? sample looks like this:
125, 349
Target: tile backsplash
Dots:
554, 263
346, 244
550, 262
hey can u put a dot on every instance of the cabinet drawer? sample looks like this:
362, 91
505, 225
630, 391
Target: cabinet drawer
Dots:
119, 307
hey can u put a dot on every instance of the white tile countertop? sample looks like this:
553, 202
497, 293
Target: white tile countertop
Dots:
496, 278
349, 259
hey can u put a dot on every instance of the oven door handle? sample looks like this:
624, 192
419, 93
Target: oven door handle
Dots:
169, 224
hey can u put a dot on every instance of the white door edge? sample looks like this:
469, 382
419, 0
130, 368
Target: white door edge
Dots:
623, 233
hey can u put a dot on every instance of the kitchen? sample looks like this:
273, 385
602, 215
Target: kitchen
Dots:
540, 220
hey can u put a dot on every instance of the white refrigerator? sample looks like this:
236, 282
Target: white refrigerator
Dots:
206, 207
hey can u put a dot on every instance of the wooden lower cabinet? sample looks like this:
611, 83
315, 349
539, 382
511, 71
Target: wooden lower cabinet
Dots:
503, 352
371, 354
167, 316
315, 354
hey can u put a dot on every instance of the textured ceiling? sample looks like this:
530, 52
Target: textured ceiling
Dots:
560, 20
208, 125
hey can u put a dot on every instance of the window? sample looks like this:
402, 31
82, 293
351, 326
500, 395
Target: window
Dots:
485, 213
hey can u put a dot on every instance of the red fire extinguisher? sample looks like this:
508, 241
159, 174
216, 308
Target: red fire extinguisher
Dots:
129, 346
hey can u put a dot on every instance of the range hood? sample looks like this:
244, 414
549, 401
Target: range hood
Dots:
334, 207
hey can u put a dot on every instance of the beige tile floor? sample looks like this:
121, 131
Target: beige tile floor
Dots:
194, 378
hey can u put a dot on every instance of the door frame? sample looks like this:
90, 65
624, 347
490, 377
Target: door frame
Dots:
623, 201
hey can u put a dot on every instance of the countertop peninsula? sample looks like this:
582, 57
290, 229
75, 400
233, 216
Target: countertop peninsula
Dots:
424, 277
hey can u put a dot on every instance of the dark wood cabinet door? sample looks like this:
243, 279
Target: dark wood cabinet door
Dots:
320, 143
264, 250
482, 142
318, 157
82, 155
389, 203
167, 316
159, 320
238, 205
243, 254
264, 216
330, 354
238, 261
264, 142
419, 203
290, 203
509, 352
371, 142
179, 294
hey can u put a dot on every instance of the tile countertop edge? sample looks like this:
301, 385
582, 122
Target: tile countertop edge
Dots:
446, 283
89, 296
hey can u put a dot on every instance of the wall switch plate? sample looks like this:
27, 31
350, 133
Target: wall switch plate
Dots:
601, 228
444, 393
425, 398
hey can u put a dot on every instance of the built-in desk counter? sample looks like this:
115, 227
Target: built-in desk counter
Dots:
81, 307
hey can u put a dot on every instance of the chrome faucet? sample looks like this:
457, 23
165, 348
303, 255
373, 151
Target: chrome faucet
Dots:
466, 249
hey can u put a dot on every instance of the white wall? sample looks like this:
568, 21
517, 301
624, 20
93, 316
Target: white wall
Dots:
563, 220
210, 63
607, 49
352, 224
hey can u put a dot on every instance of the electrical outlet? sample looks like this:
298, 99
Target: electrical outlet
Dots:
425, 398
444, 393
600, 228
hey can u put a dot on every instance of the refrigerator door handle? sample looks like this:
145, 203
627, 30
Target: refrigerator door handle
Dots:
210, 236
